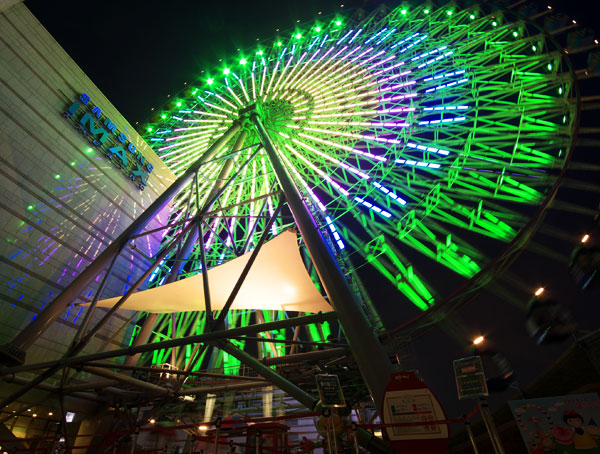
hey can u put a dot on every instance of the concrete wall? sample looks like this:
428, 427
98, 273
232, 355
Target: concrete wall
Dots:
60, 205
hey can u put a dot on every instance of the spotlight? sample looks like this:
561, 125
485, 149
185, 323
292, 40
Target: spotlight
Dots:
478, 340
539, 291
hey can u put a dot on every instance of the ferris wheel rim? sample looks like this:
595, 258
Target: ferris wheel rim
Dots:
541, 208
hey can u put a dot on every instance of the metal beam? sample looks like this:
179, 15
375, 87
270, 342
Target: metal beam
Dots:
216, 335
224, 388
174, 371
368, 352
126, 379
297, 393
308, 356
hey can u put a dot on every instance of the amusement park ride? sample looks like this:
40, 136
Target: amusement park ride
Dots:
424, 143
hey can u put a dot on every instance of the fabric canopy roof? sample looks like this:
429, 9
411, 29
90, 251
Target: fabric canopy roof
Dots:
277, 280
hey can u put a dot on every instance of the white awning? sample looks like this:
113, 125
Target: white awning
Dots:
277, 280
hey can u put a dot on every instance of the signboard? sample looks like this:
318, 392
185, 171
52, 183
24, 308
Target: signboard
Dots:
408, 400
470, 378
103, 134
562, 424
330, 391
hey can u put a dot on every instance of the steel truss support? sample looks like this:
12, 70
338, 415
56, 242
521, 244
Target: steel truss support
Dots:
148, 325
199, 338
368, 352
14, 351
366, 439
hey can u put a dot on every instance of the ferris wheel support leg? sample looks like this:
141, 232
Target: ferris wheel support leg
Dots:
368, 352
14, 352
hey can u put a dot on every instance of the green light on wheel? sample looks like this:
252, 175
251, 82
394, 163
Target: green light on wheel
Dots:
243, 61
279, 44
226, 71
260, 52
317, 29
403, 12
549, 67
534, 48
338, 22
178, 103
163, 116
57, 177
472, 16
89, 150
449, 13
210, 81
30, 207
73, 163
149, 129
494, 23
515, 34
426, 11
297, 36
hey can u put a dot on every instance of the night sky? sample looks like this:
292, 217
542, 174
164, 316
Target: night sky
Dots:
139, 52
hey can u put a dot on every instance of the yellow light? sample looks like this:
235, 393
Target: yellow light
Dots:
585, 238
50, 414
203, 428
478, 340
539, 291
152, 420
34, 415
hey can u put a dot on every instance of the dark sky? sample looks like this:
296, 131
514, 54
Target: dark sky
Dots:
138, 52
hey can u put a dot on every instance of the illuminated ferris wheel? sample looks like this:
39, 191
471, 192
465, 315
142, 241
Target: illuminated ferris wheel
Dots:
424, 141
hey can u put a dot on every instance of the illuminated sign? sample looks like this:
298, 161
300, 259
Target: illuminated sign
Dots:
470, 377
114, 143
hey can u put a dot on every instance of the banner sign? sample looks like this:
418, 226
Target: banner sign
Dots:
330, 391
561, 424
104, 135
408, 400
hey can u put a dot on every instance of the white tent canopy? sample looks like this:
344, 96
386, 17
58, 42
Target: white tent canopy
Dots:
277, 280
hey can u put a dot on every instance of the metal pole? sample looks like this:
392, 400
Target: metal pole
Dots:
490, 426
470, 434
368, 352
14, 351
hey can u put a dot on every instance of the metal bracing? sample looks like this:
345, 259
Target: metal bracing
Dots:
14, 352
198, 338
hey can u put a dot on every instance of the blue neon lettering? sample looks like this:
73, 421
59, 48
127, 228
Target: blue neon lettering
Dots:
89, 121
119, 152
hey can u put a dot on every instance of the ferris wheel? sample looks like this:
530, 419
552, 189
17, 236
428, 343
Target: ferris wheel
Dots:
424, 140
